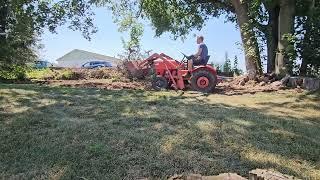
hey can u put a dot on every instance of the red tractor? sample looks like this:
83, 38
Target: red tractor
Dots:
168, 73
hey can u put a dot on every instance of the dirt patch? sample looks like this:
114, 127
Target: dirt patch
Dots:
225, 87
98, 83
76, 74
257, 174
105, 78
242, 85
102, 78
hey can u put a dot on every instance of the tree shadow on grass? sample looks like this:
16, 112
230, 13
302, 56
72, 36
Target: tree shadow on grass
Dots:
309, 95
129, 134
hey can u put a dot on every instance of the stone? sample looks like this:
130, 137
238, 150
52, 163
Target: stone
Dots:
294, 82
276, 84
263, 174
224, 176
262, 83
194, 177
242, 83
299, 90
273, 75
246, 79
272, 80
285, 80
266, 79
260, 78
311, 83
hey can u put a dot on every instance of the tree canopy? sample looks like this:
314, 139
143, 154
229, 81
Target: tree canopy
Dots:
265, 25
23, 21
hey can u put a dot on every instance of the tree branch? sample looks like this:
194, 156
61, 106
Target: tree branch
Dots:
226, 6
140, 9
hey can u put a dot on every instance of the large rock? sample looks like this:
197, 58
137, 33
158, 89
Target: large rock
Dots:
285, 80
262, 83
224, 176
303, 82
295, 82
311, 83
242, 83
266, 79
263, 174
276, 84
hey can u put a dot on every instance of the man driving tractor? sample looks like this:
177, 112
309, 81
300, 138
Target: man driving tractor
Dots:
200, 58
170, 73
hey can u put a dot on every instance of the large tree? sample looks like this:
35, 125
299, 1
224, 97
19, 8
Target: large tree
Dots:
278, 21
309, 47
273, 20
286, 27
249, 39
23, 21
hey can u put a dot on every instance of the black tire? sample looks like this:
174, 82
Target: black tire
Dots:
207, 74
159, 83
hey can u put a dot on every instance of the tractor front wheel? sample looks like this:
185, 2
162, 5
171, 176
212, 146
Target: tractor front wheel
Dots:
159, 83
203, 81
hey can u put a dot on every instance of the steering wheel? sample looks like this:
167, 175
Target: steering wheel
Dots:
184, 59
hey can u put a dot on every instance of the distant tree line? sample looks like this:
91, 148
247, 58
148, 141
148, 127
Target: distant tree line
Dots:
228, 68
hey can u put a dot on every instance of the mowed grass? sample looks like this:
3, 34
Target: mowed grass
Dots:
66, 133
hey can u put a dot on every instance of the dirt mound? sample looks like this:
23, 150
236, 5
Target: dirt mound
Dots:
257, 174
242, 85
102, 78
76, 74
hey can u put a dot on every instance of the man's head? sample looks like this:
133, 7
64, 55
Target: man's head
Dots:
200, 39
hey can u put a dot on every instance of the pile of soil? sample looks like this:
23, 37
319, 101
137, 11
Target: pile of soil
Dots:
242, 85
256, 174
102, 78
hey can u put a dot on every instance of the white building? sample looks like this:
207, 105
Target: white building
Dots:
76, 58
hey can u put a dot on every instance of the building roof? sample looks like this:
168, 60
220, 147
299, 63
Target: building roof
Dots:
94, 55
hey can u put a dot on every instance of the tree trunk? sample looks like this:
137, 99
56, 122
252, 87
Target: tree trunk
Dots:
3, 36
3, 20
272, 37
304, 63
286, 26
249, 40
303, 67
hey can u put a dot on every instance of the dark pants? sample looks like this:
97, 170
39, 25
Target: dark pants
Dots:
195, 60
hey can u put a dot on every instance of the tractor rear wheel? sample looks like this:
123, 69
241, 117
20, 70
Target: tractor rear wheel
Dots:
203, 81
159, 83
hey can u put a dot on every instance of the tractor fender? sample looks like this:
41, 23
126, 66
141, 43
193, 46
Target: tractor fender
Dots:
207, 68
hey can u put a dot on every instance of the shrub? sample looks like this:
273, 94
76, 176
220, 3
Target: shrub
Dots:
43, 74
14, 72
66, 74
99, 74
72, 74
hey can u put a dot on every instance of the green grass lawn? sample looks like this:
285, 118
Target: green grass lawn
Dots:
66, 133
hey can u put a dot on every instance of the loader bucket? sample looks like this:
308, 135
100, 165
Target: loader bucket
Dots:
142, 68
135, 69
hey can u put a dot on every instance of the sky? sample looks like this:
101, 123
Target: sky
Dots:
220, 37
